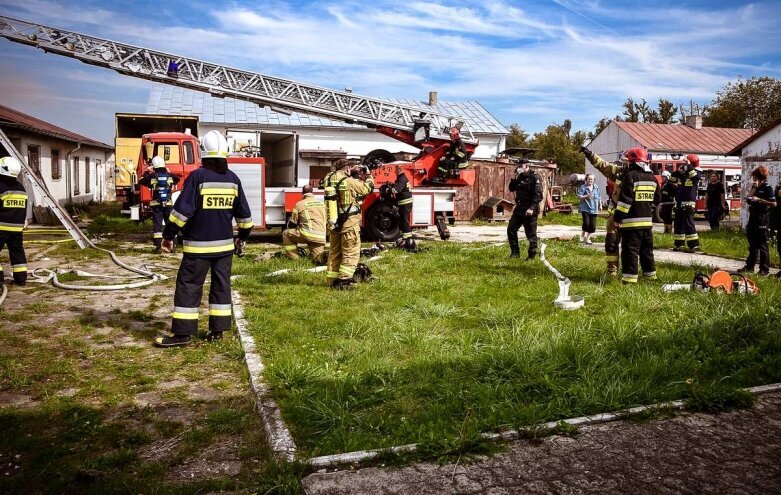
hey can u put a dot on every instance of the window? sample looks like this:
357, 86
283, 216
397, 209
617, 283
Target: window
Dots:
75, 175
56, 165
189, 156
87, 184
34, 158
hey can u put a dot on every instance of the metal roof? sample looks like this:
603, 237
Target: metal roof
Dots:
169, 100
16, 119
678, 137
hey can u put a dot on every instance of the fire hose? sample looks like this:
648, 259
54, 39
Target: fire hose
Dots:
564, 300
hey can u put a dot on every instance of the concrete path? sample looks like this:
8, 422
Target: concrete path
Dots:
737, 452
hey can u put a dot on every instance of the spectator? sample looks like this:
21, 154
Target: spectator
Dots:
715, 202
760, 200
588, 194
775, 216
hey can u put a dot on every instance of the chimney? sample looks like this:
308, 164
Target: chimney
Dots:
432, 98
694, 121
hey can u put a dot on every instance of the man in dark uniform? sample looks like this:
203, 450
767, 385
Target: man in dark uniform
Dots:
634, 216
160, 182
455, 159
775, 218
400, 192
687, 181
760, 200
528, 194
13, 214
211, 198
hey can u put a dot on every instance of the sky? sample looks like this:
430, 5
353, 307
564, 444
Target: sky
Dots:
531, 62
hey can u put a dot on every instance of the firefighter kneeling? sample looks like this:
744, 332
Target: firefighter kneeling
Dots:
634, 216
307, 227
211, 198
345, 243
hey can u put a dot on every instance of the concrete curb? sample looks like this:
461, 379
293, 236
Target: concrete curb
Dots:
366, 455
279, 436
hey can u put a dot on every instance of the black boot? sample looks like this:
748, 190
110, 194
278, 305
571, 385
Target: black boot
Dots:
173, 340
410, 245
531, 255
213, 336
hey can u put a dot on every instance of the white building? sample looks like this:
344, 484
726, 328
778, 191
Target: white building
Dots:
300, 148
74, 168
668, 143
763, 148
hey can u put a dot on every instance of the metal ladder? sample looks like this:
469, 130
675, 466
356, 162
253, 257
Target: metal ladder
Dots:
279, 94
42, 192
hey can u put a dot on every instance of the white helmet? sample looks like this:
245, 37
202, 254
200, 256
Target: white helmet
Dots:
666, 173
214, 145
158, 162
10, 166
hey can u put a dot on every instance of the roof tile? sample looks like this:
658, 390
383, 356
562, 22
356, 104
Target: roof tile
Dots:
674, 137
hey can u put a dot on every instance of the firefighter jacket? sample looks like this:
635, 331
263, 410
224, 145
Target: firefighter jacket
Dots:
160, 183
668, 192
636, 199
688, 181
350, 193
401, 190
457, 153
528, 191
328, 184
204, 212
13, 205
614, 172
309, 217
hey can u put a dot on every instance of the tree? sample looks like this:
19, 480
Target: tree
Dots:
666, 113
600, 126
557, 146
518, 138
750, 103
631, 111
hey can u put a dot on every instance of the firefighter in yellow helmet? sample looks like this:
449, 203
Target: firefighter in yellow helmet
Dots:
307, 226
160, 182
13, 214
212, 197
345, 243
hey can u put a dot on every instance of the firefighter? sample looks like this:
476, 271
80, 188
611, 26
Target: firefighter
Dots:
211, 198
638, 194
339, 171
456, 158
345, 244
306, 226
528, 194
160, 182
13, 214
687, 181
760, 200
401, 193
775, 217
614, 172
667, 202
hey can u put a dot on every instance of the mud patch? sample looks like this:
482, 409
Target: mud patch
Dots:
11, 399
216, 461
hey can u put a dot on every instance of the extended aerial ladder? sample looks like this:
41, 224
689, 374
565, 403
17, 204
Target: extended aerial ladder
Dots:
402, 122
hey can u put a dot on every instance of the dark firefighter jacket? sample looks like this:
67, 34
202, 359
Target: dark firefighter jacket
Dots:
160, 183
688, 181
13, 205
636, 199
528, 191
401, 190
457, 152
205, 210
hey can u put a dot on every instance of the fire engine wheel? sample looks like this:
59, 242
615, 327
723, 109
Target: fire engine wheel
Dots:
382, 223
376, 158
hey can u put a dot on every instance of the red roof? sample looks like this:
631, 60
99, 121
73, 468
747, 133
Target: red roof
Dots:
681, 138
14, 118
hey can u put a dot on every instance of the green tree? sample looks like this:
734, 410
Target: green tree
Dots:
666, 113
631, 111
754, 102
600, 126
518, 138
557, 146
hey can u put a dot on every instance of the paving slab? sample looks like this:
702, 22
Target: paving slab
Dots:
735, 452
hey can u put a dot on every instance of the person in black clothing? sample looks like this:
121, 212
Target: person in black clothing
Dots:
400, 193
455, 159
775, 222
13, 215
760, 200
667, 202
160, 182
715, 202
528, 194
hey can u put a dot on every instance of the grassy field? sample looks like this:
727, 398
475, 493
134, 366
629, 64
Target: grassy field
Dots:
455, 340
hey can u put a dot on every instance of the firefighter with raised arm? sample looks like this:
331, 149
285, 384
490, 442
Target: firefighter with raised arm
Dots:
306, 226
211, 198
614, 172
687, 180
13, 215
160, 182
637, 196
345, 243
456, 158
527, 187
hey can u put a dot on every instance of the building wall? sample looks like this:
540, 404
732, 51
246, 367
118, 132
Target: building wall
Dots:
764, 150
60, 187
769, 143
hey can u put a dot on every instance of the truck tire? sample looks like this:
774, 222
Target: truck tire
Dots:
377, 157
382, 223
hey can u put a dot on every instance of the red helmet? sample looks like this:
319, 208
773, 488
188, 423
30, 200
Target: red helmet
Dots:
455, 133
693, 159
633, 155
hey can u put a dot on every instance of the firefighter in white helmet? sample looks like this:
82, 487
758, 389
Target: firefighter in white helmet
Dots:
211, 198
13, 213
160, 182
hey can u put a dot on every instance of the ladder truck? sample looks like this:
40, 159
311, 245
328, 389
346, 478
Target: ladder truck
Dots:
424, 129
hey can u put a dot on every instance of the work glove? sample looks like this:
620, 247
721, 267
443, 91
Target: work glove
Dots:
589, 154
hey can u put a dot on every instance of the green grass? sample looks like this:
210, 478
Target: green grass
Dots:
118, 225
449, 343
727, 241
556, 218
